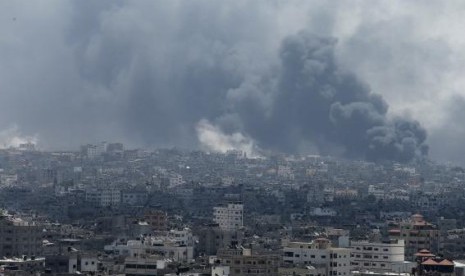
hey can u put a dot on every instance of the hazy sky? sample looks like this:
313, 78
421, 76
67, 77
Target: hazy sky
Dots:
333, 76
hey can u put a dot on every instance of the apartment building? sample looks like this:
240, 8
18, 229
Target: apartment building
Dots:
211, 238
157, 219
377, 256
177, 245
19, 238
242, 262
418, 234
143, 265
229, 217
336, 261
104, 197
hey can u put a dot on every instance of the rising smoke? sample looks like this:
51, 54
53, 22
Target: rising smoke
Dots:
313, 102
188, 74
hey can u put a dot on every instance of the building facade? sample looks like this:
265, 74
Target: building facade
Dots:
336, 261
19, 238
242, 262
418, 234
229, 217
377, 256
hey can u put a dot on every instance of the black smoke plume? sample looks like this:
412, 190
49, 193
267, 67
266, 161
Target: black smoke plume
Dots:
315, 103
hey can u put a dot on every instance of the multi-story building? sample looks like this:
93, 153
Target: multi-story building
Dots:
220, 270
72, 262
22, 266
211, 238
230, 217
79, 262
315, 195
175, 180
143, 265
134, 198
377, 192
178, 246
104, 197
453, 244
89, 151
418, 234
19, 238
157, 220
336, 261
242, 262
377, 256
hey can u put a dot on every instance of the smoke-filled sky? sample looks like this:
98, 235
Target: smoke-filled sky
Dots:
364, 79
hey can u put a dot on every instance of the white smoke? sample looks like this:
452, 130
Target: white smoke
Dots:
12, 137
212, 138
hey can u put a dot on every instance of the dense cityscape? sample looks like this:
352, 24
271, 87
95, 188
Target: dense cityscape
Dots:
108, 210
232, 138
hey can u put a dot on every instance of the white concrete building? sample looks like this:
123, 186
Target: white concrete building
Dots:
104, 197
146, 265
377, 256
230, 217
91, 151
336, 261
83, 263
177, 245
220, 270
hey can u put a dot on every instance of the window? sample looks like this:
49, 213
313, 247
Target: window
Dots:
288, 254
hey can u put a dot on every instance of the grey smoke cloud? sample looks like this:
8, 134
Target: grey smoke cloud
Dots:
147, 73
317, 103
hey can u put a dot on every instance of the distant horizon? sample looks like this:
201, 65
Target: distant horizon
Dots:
264, 154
